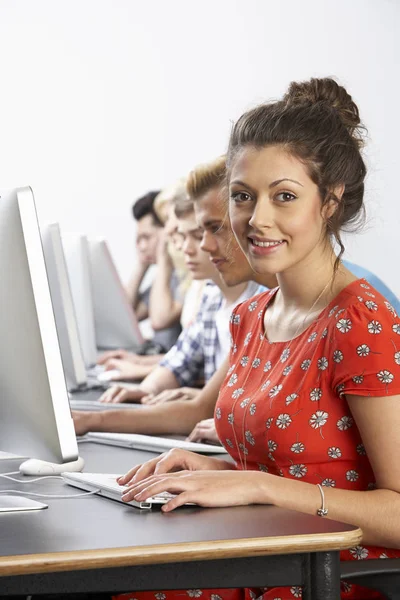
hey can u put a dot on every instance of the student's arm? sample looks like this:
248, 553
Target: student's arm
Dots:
171, 418
164, 309
132, 290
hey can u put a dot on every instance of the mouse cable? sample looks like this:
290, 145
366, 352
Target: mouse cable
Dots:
63, 496
7, 476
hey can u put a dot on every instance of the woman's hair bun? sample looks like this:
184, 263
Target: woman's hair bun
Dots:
330, 93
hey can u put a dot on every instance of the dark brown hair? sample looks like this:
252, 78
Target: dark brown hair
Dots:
318, 122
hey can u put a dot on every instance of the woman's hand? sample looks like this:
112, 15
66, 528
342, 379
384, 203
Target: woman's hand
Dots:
204, 431
173, 460
204, 488
183, 393
121, 393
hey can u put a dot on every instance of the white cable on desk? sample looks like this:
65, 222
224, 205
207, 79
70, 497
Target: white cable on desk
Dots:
7, 476
63, 496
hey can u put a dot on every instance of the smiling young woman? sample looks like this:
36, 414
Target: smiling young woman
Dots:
310, 409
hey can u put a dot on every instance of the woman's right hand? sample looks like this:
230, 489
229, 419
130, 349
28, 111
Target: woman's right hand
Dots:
171, 461
122, 393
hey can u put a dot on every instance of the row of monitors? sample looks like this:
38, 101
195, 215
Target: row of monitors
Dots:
52, 306
90, 304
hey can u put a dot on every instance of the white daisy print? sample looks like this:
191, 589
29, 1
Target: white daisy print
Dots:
269, 422
229, 442
285, 355
359, 552
305, 364
322, 363
396, 328
397, 358
250, 438
351, 475
324, 333
318, 419
296, 591
244, 361
315, 395
243, 448
233, 379
272, 446
283, 421
291, 398
313, 337
160, 596
260, 313
374, 327
253, 305
338, 356
361, 450
360, 298
235, 319
339, 312
247, 338
244, 402
298, 447
298, 470
334, 452
287, 370
328, 482
194, 593
363, 350
390, 309
237, 393
371, 305
256, 363
267, 366
358, 379
262, 468
275, 390
344, 423
231, 369
340, 388
234, 348
252, 409
333, 310
231, 419
215, 597
344, 325
265, 385
365, 286
370, 294
385, 376
383, 555
218, 413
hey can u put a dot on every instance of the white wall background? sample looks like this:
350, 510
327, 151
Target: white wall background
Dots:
102, 100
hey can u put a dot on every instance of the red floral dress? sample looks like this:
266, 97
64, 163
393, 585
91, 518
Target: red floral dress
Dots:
283, 409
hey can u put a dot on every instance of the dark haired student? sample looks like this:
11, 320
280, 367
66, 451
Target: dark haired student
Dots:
310, 408
149, 235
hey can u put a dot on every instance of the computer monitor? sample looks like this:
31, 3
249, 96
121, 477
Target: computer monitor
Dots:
116, 325
63, 306
77, 258
35, 417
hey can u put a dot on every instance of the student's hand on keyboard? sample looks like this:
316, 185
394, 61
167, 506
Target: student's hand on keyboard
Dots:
205, 488
127, 369
119, 393
173, 460
120, 354
183, 393
204, 432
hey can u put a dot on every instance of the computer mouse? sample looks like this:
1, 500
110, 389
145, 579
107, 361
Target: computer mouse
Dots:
108, 375
34, 466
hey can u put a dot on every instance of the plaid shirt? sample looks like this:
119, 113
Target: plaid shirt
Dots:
193, 356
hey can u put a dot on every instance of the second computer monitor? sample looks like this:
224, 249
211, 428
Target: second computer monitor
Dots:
115, 321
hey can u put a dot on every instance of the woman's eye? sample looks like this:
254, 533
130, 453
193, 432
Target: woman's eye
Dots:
285, 197
240, 197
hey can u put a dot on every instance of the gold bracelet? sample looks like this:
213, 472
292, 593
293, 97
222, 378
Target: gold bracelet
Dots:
322, 512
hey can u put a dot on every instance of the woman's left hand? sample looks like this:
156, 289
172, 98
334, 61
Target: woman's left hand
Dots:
204, 488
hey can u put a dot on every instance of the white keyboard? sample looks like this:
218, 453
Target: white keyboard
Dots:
152, 443
96, 405
105, 484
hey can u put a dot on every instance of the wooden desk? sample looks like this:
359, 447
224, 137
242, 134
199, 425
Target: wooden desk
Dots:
96, 545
